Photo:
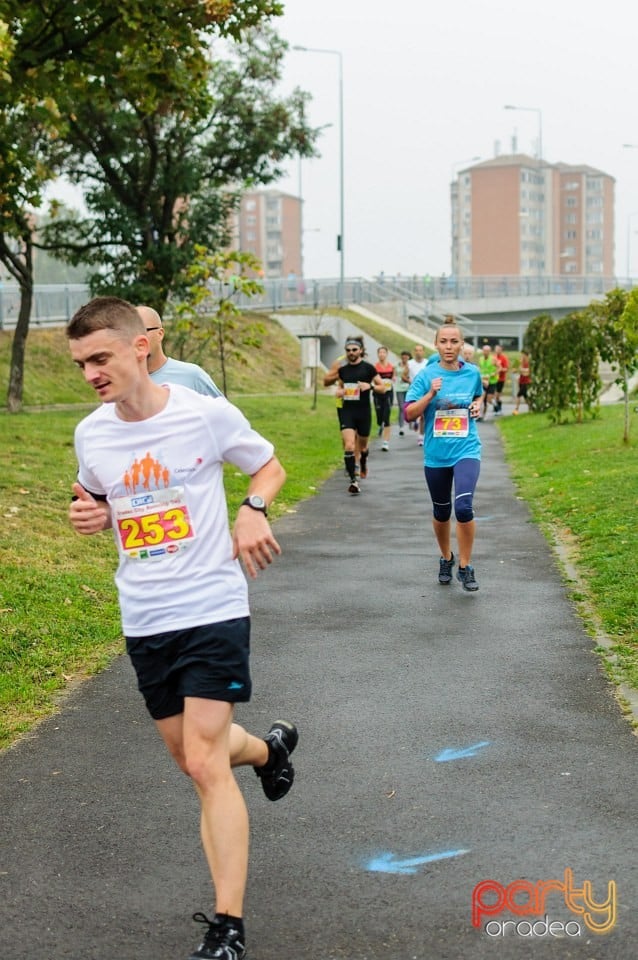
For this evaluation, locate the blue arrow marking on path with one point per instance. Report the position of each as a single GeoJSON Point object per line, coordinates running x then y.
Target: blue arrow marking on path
{"type": "Point", "coordinates": [449, 754]}
{"type": "Point", "coordinates": [386, 862]}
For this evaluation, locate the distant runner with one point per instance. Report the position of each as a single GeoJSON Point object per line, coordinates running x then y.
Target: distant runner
{"type": "Point", "coordinates": [357, 378]}
{"type": "Point", "coordinates": [449, 394]}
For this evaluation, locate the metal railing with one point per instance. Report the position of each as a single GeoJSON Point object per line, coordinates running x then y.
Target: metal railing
{"type": "Point", "coordinates": [423, 291]}
{"type": "Point", "coordinates": [55, 304]}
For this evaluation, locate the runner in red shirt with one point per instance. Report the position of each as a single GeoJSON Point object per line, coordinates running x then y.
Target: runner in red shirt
{"type": "Point", "coordinates": [524, 380]}
{"type": "Point", "coordinates": [503, 364]}
{"type": "Point", "coordinates": [383, 401]}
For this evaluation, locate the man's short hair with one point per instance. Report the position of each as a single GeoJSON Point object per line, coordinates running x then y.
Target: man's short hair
{"type": "Point", "coordinates": [105, 313]}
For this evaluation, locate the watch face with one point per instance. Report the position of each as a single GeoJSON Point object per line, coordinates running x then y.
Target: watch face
{"type": "Point", "coordinates": [257, 502]}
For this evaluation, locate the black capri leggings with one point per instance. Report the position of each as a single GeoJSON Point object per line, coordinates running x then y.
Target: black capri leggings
{"type": "Point", "coordinates": [464, 475]}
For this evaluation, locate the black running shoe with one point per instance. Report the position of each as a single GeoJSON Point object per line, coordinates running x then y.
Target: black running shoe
{"type": "Point", "coordinates": [278, 774]}
{"type": "Point", "coordinates": [467, 578]}
{"type": "Point", "coordinates": [222, 940]}
{"type": "Point", "coordinates": [354, 488]}
{"type": "Point", "coordinates": [445, 569]}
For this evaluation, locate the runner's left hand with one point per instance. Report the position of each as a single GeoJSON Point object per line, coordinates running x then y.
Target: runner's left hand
{"type": "Point", "coordinates": [253, 541]}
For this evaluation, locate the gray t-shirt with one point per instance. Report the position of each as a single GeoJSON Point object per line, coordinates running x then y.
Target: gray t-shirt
{"type": "Point", "coordinates": [189, 375]}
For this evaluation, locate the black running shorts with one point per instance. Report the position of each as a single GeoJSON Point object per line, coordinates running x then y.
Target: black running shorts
{"type": "Point", "coordinates": [355, 416]}
{"type": "Point", "coordinates": [210, 661]}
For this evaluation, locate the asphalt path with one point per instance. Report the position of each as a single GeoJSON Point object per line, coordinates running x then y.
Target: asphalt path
{"type": "Point", "coordinates": [446, 739]}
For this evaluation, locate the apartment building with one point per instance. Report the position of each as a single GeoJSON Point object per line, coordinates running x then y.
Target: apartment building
{"type": "Point", "coordinates": [268, 224]}
{"type": "Point", "coordinates": [517, 215]}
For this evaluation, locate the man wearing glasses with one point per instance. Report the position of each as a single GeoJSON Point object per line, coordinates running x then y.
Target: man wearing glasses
{"type": "Point", "coordinates": [165, 369]}
{"type": "Point", "coordinates": [355, 379]}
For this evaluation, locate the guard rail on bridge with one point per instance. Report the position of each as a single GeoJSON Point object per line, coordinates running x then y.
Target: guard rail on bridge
{"type": "Point", "coordinates": [55, 304]}
{"type": "Point", "coordinates": [422, 291]}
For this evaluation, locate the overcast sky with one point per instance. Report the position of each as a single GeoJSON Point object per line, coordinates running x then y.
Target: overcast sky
{"type": "Point", "coordinates": [424, 89]}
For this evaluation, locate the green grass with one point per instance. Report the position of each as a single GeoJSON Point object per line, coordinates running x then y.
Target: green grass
{"type": "Point", "coordinates": [581, 482]}
{"type": "Point", "coordinates": [58, 612]}
{"type": "Point", "coordinates": [49, 377]}
{"type": "Point", "coordinates": [59, 619]}
{"type": "Point", "coordinates": [306, 441]}
{"type": "Point", "coordinates": [272, 365]}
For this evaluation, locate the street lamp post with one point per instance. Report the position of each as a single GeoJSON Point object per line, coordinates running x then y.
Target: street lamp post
{"type": "Point", "coordinates": [341, 237]}
{"type": "Point", "coordinates": [302, 230]}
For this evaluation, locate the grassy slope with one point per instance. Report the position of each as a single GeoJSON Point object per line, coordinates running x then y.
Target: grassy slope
{"type": "Point", "coordinates": [50, 378]}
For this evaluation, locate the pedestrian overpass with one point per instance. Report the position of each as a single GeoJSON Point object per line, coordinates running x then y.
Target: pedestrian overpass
{"type": "Point", "coordinates": [488, 308]}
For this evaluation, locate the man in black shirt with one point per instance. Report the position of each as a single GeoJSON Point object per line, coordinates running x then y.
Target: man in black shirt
{"type": "Point", "coordinates": [356, 379]}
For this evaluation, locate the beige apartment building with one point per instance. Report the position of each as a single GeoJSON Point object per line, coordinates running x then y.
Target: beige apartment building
{"type": "Point", "coordinates": [520, 216]}
{"type": "Point", "coordinates": [268, 224]}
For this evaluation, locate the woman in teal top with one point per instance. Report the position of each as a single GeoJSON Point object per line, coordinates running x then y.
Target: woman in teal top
{"type": "Point", "coordinates": [448, 393]}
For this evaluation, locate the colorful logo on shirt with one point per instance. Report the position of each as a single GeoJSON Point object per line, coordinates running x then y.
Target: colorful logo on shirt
{"type": "Point", "coordinates": [149, 473]}
{"type": "Point", "coordinates": [146, 473]}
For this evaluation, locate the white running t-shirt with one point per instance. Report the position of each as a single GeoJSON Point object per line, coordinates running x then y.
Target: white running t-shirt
{"type": "Point", "coordinates": [415, 367]}
{"type": "Point", "coordinates": [163, 479]}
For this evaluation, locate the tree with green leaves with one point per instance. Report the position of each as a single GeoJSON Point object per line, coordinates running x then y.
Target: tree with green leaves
{"type": "Point", "coordinates": [565, 361]}
{"type": "Point", "coordinates": [52, 39]}
{"type": "Point", "coordinates": [36, 42]}
{"type": "Point", "coordinates": [211, 284]}
{"type": "Point", "coordinates": [162, 172]}
{"type": "Point", "coordinates": [616, 323]}
{"type": "Point", "coordinates": [572, 364]}
{"type": "Point", "coordinates": [537, 341]}
{"type": "Point", "coordinates": [26, 165]}
{"type": "Point", "coordinates": [50, 54]}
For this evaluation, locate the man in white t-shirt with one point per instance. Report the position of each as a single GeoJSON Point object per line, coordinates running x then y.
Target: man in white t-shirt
{"type": "Point", "coordinates": [415, 364]}
{"type": "Point", "coordinates": [165, 369]}
{"type": "Point", "coordinates": [151, 462]}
